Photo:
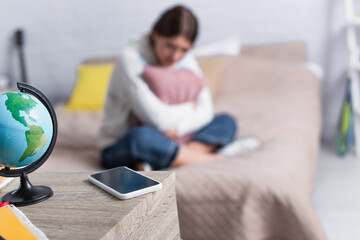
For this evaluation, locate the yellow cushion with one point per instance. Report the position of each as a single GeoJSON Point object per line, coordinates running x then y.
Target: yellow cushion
{"type": "Point", "coordinates": [91, 87]}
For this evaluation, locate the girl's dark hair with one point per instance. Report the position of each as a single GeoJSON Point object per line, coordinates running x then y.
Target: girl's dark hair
{"type": "Point", "coordinates": [177, 21]}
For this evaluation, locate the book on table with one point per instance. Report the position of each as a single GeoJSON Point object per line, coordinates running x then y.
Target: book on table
{"type": "Point", "coordinates": [15, 225]}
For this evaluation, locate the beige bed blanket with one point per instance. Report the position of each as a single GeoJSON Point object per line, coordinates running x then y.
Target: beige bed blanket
{"type": "Point", "coordinates": [257, 196]}
{"type": "Point", "coordinates": [265, 194]}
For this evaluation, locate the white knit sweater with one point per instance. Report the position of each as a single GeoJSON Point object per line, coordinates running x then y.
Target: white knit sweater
{"type": "Point", "coordinates": [129, 96]}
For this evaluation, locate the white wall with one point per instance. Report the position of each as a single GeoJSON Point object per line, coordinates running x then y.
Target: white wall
{"type": "Point", "coordinates": [60, 34]}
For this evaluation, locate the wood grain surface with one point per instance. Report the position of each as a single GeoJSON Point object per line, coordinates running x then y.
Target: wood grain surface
{"type": "Point", "coordinates": [80, 210]}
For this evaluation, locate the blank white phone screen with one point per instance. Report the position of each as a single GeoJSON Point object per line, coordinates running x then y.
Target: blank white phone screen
{"type": "Point", "coordinates": [124, 180]}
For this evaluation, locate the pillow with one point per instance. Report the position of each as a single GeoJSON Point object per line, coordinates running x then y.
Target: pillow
{"type": "Point", "coordinates": [91, 87]}
{"type": "Point", "coordinates": [173, 86]}
{"type": "Point", "coordinates": [213, 68]}
{"type": "Point", "coordinates": [226, 47]}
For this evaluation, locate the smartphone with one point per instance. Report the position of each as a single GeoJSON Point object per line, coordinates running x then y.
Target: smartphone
{"type": "Point", "coordinates": [124, 183]}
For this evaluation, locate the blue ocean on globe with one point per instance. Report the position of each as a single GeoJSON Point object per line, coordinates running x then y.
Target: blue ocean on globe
{"type": "Point", "coordinates": [26, 129]}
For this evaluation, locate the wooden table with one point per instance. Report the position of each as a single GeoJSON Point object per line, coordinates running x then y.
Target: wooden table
{"type": "Point", "coordinates": [80, 210]}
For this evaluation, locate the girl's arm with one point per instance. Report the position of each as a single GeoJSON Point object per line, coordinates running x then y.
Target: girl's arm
{"type": "Point", "coordinates": [204, 111]}
{"type": "Point", "coordinates": [133, 91]}
{"type": "Point", "coordinates": [203, 114]}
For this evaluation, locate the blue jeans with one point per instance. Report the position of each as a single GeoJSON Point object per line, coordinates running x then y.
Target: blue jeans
{"type": "Point", "coordinates": [145, 144]}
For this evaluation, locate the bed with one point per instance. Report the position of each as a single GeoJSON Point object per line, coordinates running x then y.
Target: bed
{"type": "Point", "coordinates": [259, 195]}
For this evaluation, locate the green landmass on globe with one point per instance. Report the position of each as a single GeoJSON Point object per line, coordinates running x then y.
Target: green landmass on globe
{"type": "Point", "coordinates": [35, 136]}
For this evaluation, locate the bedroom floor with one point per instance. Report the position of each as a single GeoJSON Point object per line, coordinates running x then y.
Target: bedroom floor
{"type": "Point", "coordinates": [336, 196]}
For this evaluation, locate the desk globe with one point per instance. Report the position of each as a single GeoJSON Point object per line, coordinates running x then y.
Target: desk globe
{"type": "Point", "coordinates": [28, 131]}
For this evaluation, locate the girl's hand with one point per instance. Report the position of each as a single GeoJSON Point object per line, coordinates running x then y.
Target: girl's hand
{"type": "Point", "coordinates": [193, 102]}
{"type": "Point", "coordinates": [170, 134]}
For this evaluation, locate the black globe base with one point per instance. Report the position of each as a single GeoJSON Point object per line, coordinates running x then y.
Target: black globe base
{"type": "Point", "coordinates": [27, 194]}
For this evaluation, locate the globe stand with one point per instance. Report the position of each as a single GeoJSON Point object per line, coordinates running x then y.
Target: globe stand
{"type": "Point", "coordinates": [27, 194]}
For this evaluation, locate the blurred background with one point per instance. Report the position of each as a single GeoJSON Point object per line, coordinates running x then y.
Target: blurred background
{"type": "Point", "coordinates": [61, 34]}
